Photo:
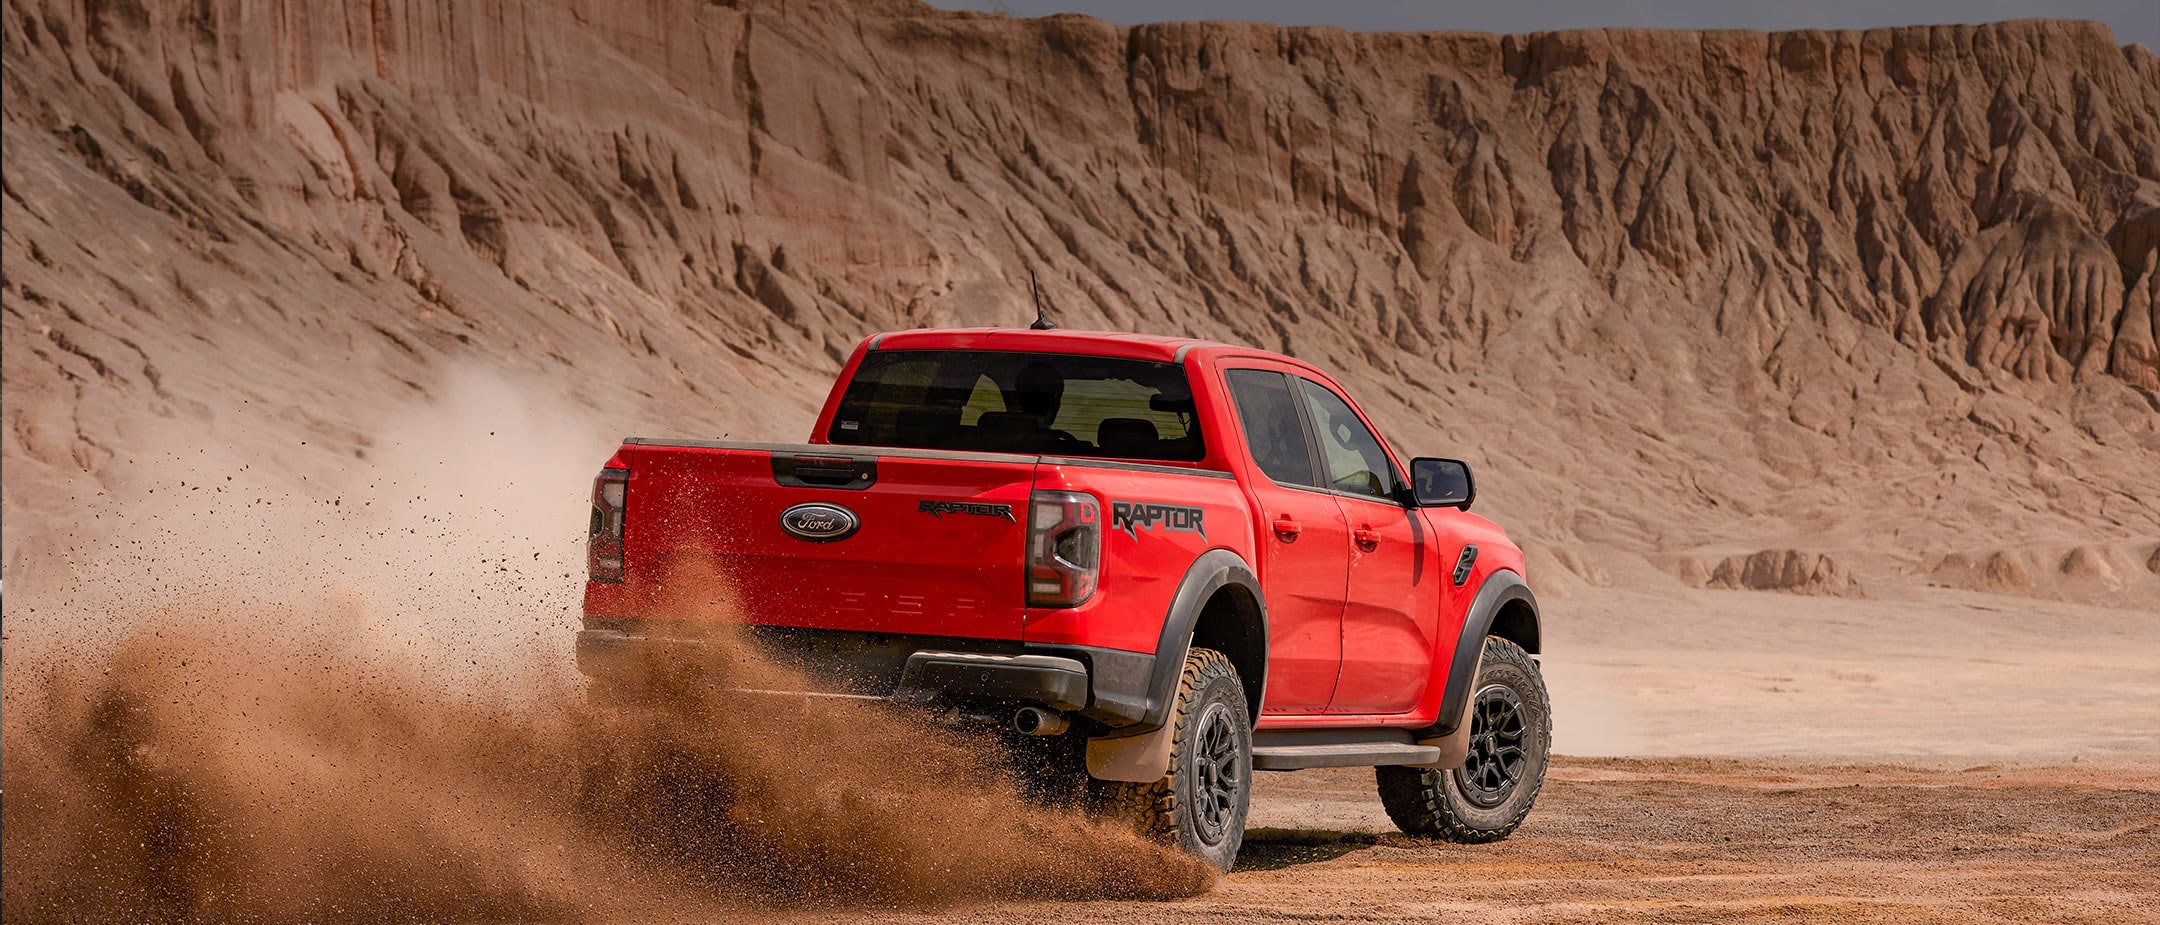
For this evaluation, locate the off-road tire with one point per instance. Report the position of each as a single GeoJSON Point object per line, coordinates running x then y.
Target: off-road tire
{"type": "Point", "coordinates": [1463, 804]}
{"type": "Point", "coordinates": [1209, 718]}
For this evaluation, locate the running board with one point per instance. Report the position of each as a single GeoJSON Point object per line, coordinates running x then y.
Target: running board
{"type": "Point", "coordinates": [1292, 749]}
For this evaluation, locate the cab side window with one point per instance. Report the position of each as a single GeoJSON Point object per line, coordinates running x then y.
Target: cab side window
{"type": "Point", "coordinates": [1273, 430]}
{"type": "Point", "coordinates": [1353, 456]}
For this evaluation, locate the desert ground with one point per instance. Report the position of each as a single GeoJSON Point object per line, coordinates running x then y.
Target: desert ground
{"type": "Point", "coordinates": [1953, 758]}
{"type": "Point", "coordinates": [1693, 840]}
{"type": "Point", "coordinates": [1815, 372]}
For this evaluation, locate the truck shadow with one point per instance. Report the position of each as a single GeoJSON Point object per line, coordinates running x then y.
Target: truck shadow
{"type": "Point", "coordinates": [1275, 849]}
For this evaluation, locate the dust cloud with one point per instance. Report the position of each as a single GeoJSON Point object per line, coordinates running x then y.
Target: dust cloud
{"type": "Point", "coordinates": [349, 698]}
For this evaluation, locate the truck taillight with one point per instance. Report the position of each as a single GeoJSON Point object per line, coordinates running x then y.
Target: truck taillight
{"type": "Point", "coordinates": [604, 540]}
{"type": "Point", "coordinates": [1064, 551]}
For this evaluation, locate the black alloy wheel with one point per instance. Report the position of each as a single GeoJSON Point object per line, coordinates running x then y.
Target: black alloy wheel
{"type": "Point", "coordinates": [1497, 757]}
{"type": "Point", "coordinates": [1218, 775]}
{"type": "Point", "coordinates": [1510, 720]}
{"type": "Point", "coordinates": [1199, 803]}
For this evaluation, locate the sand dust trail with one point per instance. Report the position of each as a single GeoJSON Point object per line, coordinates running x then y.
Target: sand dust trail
{"type": "Point", "coordinates": [351, 700]}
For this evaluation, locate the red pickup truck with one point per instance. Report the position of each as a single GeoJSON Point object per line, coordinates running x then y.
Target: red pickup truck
{"type": "Point", "coordinates": [1183, 561]}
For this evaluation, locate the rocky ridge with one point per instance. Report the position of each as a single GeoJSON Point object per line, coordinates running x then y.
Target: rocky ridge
{"type": "Point", "coordinates": [1889, 292]}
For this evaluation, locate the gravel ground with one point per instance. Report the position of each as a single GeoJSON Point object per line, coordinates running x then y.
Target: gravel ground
{"type": "Point", "coordinates": [1695, 840]}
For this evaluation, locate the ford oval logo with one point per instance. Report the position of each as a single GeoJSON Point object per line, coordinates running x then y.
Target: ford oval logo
{"type": "Point", "coordinates": [819, 522]}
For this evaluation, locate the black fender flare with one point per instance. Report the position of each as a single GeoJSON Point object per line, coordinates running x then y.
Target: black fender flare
{"type": "Point", "coordinates": [1214, 570]}
{"type": "Point", "coordinates": [1500, 589]}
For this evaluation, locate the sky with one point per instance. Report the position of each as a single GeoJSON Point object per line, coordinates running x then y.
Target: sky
{"type": "Point", "coordinates": [2132, 20]}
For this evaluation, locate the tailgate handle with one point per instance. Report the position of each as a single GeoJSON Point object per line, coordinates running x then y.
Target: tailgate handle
{"type": "Point", "coordinates": [853, 473]}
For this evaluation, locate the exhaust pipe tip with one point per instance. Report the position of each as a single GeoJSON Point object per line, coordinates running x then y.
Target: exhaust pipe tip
{"type": "Point", "coordinates": [1036, 721]}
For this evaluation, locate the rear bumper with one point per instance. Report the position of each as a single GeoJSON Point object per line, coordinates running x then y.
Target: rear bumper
{"type": "Point", "coordinates": [916, 670]}
{"type": "Point", "coordinates": [1057, 683]}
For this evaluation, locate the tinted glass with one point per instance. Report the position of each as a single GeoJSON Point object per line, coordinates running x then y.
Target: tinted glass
{"type": "Point", "coordinates": [1355, 462]}
{"type": "Point", "coordinates": [1011, 402]}
{"type": "Point", "coordinates": [1270, 418]}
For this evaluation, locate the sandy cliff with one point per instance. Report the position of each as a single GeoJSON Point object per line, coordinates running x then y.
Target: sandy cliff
{"type": "Point", "coordinates": [1829, 312]}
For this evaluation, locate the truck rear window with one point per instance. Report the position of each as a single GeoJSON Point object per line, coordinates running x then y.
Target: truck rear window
{"type": "Point", "coordinates": [1010, 402]}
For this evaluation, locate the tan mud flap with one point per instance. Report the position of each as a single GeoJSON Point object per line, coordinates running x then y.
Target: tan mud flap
{"type": "Point", "coordinates": [1144, 757]}
{"type": "Point", "coordinates": [1455, 747]}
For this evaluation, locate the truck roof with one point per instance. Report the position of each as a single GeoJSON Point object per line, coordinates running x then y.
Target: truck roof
{"type": "Point", "coordinates": [1094, 343]}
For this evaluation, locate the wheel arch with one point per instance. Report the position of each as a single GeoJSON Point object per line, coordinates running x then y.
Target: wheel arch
{"type": "Point", "coordinates": [1234, 622]}
{"type": "Point", "coordinates": [1218, 606]}
{"type": "Point", "coordinates": [1503, 607]}
{"type": "Point", "coordinates": [1517, 622]}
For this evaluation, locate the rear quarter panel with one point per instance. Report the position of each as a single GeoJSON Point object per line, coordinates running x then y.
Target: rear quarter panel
{"type": "Point", "coordinates": [1146, 551]}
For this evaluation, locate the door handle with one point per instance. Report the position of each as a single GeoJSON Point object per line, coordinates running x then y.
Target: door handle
{"type": "Point", "coordinates": [1287, 529]}
{"type": "Point", "coordinates": [1367, 538]}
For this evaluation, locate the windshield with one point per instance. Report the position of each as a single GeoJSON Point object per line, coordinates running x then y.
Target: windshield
{"type": "Point", "coordinates": [1011, 402]}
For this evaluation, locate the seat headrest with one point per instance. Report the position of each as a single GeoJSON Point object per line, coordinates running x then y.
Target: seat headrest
{"type": "Point", "coordinates": [1010, 432]}
{"type": "Point", "coordinates": [926, 426]}
{"type": "Point", "coordinates": [1172, 403]}
{"type": "Point", "coordinates": [1134, 437]}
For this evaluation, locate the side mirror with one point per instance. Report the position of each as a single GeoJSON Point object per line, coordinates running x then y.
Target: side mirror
{"type": "Point", "coordinates": [1442, 482]}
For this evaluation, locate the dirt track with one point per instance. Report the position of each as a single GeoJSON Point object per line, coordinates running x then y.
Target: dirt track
{"type": "Point", "coordinates": [1691, 840]}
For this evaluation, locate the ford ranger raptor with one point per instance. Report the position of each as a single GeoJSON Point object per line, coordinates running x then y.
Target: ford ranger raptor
{"type": "Point", "coordinates": [1184, 561]}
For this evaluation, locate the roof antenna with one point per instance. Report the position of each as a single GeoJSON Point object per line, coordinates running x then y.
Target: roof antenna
{"type": "Point", "coordinates": [1042, 318]}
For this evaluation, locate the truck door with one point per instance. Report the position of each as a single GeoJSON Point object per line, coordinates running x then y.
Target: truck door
{"type": "Point", "coordinates": [1304, 554]}
{"type": "Point", "coordinates": [1391, 609]}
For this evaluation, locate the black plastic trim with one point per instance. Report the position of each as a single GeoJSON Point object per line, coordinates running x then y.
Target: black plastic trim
{"type": "Point", "coordinates": [843, 471]}
{"type": "Point", "coordinates": [1354, 496]}
{"type": "Point", "coordinates": [1213, 571]}
{"type": "Point", "coordinates": [906, 668]}
{"type": "Point", "coordinates": [834, 449]}
{"type": "Point", "coordinates": [1295, 749]}
{"type": "Point", "coordinates": [837, 450]}
{"type": "Point", "coordinates": [1499, 589]}
{"type": "Point", "coordinates": [1117, 681]}
{"type": "Point", "coordinates": [1057, 683]}
{"type": "Point", "coordinates": [1087, 462]}
{"type": "Point", "coordinates": [1321, 482]}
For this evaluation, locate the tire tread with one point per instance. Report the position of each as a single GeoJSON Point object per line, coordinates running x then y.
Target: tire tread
{"type": "Point", "coordinates": [1152, 807]}
{"type": "Point", "coordinates": [1416, 799]}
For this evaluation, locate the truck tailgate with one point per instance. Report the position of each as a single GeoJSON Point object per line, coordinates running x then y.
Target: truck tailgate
{"type": "Point", "coordinates": [936, 546]}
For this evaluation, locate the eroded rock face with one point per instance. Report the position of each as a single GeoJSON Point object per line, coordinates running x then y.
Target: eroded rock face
{"type": "Point", "coordinates": [2099, 573]}
{"type": "Point", "coordinates": [1787, 570]}
{"type": "Point", "coordinates": [2004, 572]}
{"type": "Point", "coordinates": [1665, 288]}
